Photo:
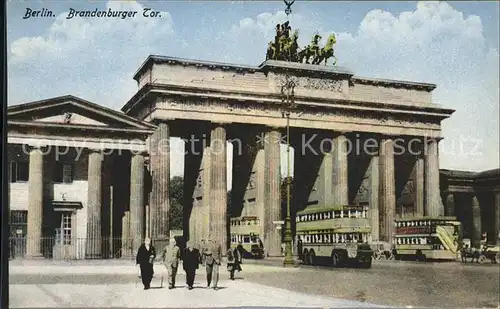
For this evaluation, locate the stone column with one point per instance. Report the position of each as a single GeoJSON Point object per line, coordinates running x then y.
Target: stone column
{"type": "Point", "coordinates": [418, 180]}
{"type": "Point", "coordinates": [374, 192]}
{"type": "Point", "coordinates": [160, 170]}
{"type": "Point", "coordinates": [218, 188]}
{"type": "Point", "coordinates": [194, 222]}
{"type": "Point", "coordinates": [136, 200]}
{"type": "Point", "coordinates": [433, 205]}
{"type": "Point", "coordinates": [94, 196]}
{"type": "Point", "coordinates": [387, 190]}
{"type": "Point", "coordinates": [192, 184]}
{"type": "Point", "coordinates": [260, 185]}
{"type": "Point", "coordinates": [35, 204]}
{"type": "Point", "coordinates": [450, 205]}
{"type": "Point", "coordinates": [147, 220]}
{"type": "Point", "coordinates": [496, 218]}
{"type": "Point", "coordinates": [206, 178]}
{"type": "Point", "coordinates": [476, 223]}
{"type": "Point", "coordinates": [272, 191]}
{"type": "Point", "coordinates": [326, 177]}
{"type": "Point", "coordinates": [340, 189]}
{"type": "Point", "coordinates": [126, 235]}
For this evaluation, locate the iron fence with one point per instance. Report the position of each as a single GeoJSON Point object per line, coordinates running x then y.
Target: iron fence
{"type": "Point", "coordinates": [72, 248]}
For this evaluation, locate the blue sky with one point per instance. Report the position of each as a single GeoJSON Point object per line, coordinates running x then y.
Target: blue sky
{"type": "Point", "coordinates": [452, 44]}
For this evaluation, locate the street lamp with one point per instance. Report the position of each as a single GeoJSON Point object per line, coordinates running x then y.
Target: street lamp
{"type": "Point", "coordinates": [287, 99]}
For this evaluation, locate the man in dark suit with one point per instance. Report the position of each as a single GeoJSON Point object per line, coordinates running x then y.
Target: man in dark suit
{"type": "Point", "coordinates": [213, 259]}
{"type": "Point", "coordinates": [191, 260]}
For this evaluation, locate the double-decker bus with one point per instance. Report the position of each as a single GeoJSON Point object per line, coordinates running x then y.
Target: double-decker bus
{"type": "Point", "coordinates": [339, 233]}
{"type": "Point", "coordinates": [434, 238]}
{"type": "Point", "coordinates": [245, 232]}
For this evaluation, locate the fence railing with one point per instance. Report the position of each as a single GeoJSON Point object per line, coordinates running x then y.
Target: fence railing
{"type": "Point", "coordinates": [72, 248]}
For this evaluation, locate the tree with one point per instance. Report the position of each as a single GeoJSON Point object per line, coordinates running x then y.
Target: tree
{"type": "Point", "coordinates": [176, 213]}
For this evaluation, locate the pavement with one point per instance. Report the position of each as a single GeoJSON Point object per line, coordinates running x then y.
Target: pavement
{"type": "Point", "coordinates": [115, 283]}
{"type": "Point", "coordinates": [129, 293]}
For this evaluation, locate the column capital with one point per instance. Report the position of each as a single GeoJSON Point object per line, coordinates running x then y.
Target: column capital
{"type": "Point", "coordinates": [95, 150]}
{"type": "Point", "coordinates": [430, 140]}
{"type": "Point", "coordinates": [388, 137]}
{"type": "Point", "coordinates": [220, 123]}
{"type": "Point", "coordinates": [31, 147]}
{"type": "Point", "coordinates": [143, 153]}
{"type": "Point", "coordinates": [273, 128]}
{"type": "Point", "coordinates": [161, 121]}
{"type": "Point", "coordinates": [343, 133]}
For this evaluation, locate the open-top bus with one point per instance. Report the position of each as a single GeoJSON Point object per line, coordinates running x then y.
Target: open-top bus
{"type": "Point", "coordinates": [339, 233]}
{"type": "Point", "coordinates": [245, 231]}
{"type": "Point", "coordinates": [434, 238]}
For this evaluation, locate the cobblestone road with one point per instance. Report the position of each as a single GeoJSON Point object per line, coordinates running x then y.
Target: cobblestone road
{"type": "Point", "coordinates": [451, 285]}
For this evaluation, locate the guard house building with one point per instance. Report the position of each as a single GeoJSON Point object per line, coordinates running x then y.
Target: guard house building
{"type": "Point", "coordinates": [474, 198]}
{"type": "Point", "coordinates": [75, 168]}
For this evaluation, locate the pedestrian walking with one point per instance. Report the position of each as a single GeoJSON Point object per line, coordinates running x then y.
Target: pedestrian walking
{"type": "Point", "coordinates": [241, 251]}
{"type": "Point", "coordinates": [145, 259]}
{"type": "Point", "coordinates": [231, 261]}
{"type": "Point", "coordinates": [190, 262]}
{"type": "Point", "coordinates": [299, 248]}
{"type": "Point", "coordinates": [213, 257]}
{"type": "Point", "coordinates": [203, 248]}
{"type": "Point", "coordinates": [238, 259]}
{"type": "Point", "coordinates": [171, 257]}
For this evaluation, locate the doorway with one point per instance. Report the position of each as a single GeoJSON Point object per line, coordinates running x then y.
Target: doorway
{"type": "Point", "coordinates": [64, 247]}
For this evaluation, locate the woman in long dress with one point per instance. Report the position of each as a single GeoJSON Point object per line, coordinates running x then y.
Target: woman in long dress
{"type": "Point", "coordinates": [145, 258]}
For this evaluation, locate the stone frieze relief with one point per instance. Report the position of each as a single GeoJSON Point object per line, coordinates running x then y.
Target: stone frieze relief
{"type": "Point", "coordinates": [363, 190]}
{"type": "Point", "coordinates": [251, 182]}
{"type": "Point", "coordinates": [199, 179]}
{"type": "Point", "coordinates": [312, 83]}
{"type": "Point", "coordinates": [408, 188]}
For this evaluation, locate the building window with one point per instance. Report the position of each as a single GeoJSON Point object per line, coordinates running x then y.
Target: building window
{"type": "Point", "coordinates": [19, 171]}
{"type": "Point", "coordinates": [63, 173]}
{"type": "Point", "coordinates": [63, 232]}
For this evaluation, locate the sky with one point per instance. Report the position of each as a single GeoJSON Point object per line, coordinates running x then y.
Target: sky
{"type": "Point", "coordinates": [452, 44]}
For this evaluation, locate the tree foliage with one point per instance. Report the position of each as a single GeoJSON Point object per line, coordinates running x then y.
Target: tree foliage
{"type": "Point", "coordinates": [176, 213]}
{"type": "Point", "coordinates": [176, 202]}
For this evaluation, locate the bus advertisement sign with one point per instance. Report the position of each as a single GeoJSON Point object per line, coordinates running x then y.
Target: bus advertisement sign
{"type": "Point", "coordinates": [413, 230]}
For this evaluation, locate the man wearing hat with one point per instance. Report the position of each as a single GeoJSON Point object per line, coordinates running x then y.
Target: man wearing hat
{"type": "Point", "coordinates": [171, 257]}
{"type": "Point", "coordinates": [213, 259]}
{"type": "Point", "coordinates": [191, 260]}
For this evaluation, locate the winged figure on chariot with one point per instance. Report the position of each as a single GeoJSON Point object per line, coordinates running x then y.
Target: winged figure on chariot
{"type": "Point", "coordinates": [285, 47]}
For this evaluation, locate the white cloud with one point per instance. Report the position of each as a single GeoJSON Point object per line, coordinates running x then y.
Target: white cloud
{"type": "Point", "coordinates": [89, 57]}
{"type": "Point", "coordinates": [434, 43]}
{"type": "Point", "coordinates": [69, 35]}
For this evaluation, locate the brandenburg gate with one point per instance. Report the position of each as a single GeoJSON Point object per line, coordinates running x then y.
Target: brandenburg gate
{"type": "Point", "coordinates": [337, 116]}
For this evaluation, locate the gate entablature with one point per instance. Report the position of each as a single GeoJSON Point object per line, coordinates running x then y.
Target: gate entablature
{"type": "Point", "coordinates": [327, 97]}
